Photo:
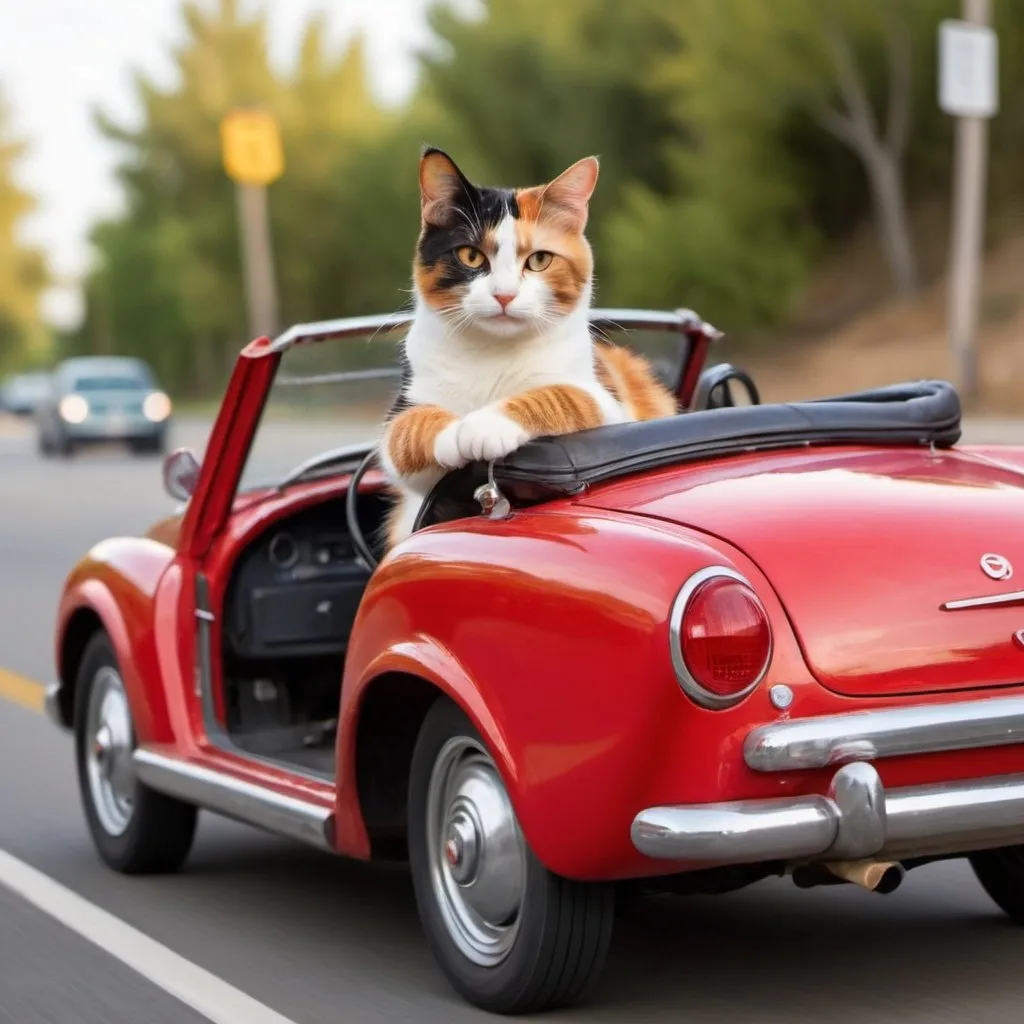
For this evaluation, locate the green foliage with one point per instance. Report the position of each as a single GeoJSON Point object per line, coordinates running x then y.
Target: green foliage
{"type": "Point", "coordinates": [720, 186]}
{"type": "Point", "coordinates": [23, 272]}
{"type": "Point", "coordinates": [168, 284]}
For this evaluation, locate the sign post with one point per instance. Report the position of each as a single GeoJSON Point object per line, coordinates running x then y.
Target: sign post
{"type": "Point", "coordinates": [968, 90]}
{"type": "Point", "coordinates": [253, 158]}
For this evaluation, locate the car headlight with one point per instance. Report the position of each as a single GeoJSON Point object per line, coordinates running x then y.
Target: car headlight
{"type": "Point", "coordinates": [157, 407]}
{"type": "Point", "coordinates": [73, 409]}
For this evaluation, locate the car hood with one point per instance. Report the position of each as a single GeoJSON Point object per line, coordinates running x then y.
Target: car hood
{"type": "Point", "coordinates": [863, 547]}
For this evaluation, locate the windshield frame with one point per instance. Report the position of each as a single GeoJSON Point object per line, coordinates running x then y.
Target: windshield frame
{"type": "Point", "coordinates": [695, 334]}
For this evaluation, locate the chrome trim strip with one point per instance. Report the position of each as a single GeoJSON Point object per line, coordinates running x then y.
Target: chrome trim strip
{"type": "Point", "coordinates": [619, 319]}
{"type": "Point", "coordinates": [51, 705]}
{"type": "Point", "coordinates": [988, 601]}
{"type": "Point", "coordinates": [243, 801]}
{"type": "Point", "coordinates": [684, 677]}
{"type": "Point", "coordinates": [919, 821]}
{"type": "Point", "coordinates": [888, 732]}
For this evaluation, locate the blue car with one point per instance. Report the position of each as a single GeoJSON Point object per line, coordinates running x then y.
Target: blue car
{"type": "Point", "coordinates": [94, 399]}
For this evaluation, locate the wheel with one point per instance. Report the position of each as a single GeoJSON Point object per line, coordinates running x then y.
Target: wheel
{"type": "Point", "coordinates": [43, 445]}
{"type": "Point", "coordinates": [1001, 874]}
{"type": "Point", "coordinates": [510, 936]}
{"type": "Point", "coordinates": [135, 829]}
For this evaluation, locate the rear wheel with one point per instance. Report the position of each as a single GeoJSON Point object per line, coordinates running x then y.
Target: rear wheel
{"type": "Point", "coordinates": [135, 829]}
{"type": "Point", "coordinates": [1001, 874]}
{"type": "Point", "coordinates": [510, 936]}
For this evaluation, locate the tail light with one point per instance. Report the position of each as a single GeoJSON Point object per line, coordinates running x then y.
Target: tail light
{"type": "Point", "coordinates": [720, 636]}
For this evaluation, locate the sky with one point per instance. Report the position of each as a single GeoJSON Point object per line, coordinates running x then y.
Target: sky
{"type": "Point", "coordinates": [59, 59]}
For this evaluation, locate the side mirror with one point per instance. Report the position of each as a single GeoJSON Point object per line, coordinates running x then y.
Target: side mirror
{"type": "Point", "coordinates": [181, 473]}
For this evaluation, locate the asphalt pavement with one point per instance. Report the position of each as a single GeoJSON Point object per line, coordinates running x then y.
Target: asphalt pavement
{"type": "Point", "coordinates": [319, 940]}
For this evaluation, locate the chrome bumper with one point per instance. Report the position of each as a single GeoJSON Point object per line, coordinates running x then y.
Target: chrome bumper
{"type": "Point", "coordinates": [857, 818]}
{"type": "Point", "coordinates": [51, 705]}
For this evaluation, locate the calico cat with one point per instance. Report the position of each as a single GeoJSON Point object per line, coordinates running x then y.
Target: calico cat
{"type": "Point", "coordinates": [500, 349]}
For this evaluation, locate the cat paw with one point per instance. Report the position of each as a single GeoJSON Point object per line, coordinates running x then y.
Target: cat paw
{"type": "Point", "coordinates": [446, 447]}
{"type": "Point", "coordinates": [488, 434]}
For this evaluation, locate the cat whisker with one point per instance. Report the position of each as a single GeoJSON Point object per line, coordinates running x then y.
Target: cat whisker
{"type": "Point", "coordinates": [406, 306]}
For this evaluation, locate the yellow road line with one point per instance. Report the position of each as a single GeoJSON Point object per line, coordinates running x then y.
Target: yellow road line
{"type": "Point", "coordinates": [21, 690]}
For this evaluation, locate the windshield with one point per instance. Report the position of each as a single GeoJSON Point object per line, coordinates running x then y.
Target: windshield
{"type": "Point", "coordinates": [109, 383]}
{"type": "Point", "coordinates": [330, 394]}
{"type": "Point", "coordinates": [325, 395]}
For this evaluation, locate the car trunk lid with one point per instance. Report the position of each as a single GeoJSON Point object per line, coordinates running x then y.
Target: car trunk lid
{"type": "Point", "coordinates": [863, 548]}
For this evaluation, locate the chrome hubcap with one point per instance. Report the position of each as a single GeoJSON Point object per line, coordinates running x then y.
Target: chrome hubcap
{"type": "Point", "coordinates": [477, 854]}
{"type": "Point", "coordinates": [108, 758]}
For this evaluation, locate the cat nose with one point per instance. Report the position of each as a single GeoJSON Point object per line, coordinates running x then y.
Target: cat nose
{"type": "Point", "coordinates": [504, 300]}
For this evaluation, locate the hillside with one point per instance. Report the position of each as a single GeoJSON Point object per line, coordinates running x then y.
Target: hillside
{"type": "Point", "coordinates": [897, 341]}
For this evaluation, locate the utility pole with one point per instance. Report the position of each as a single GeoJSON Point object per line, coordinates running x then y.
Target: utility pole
{"type": "Point", "coordinates": [968, 89]}
{"type": "Point", "coordinates": [251, 145]}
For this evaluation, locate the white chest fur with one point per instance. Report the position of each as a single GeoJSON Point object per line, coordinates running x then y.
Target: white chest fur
{"type": "Point", "coordinates": [462, 373]}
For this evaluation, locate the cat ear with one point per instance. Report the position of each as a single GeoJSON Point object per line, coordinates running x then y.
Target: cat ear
{"type": "Point", "coordinates": [441, 184]}
{"type": "Point", "coordinates": [572, 189]}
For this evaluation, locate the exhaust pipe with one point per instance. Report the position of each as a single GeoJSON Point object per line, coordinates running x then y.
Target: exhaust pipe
{"type": "Point", "coordinates": [882, 876]}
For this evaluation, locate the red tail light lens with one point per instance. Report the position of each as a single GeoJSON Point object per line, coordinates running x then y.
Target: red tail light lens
{"type": "Point", "coordinates": [722, 639]}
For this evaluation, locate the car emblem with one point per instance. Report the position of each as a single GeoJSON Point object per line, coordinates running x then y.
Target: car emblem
{"type": "Point", "coordinates": [996, 567]}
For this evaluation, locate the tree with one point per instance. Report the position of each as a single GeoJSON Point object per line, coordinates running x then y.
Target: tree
{"type": "Point", "coordinates": [168, 282]}
{"type": "Point", "coordinates": [880, 145]}
{"type": "Point", "coordinates": [536, 85]}
{"type": "Point", "coordinates": [23, 272]}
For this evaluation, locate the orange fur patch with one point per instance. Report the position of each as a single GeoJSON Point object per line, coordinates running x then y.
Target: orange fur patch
{"type": "Point", "coordinates": [530, 202]}
{"type": "Point", "coordinates": [411, 435]}
{"type": "Point", "coordinates": [569, 271]}
{"type": "Point", "coordinates": [631, 380]}
{"type": "Point", "coordinates": [428, 281]}
{"type": "Point", "coordinates": [560, 409]}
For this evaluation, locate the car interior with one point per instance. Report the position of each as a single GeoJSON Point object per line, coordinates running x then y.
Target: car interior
{"type": "Point", "coordinates": [295, 589]}
{"type": "Point", "coordinates": [289, 607]}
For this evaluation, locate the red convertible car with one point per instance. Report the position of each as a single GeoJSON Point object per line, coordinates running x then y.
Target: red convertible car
{"type": "Point", "coordinates": [682, 655]}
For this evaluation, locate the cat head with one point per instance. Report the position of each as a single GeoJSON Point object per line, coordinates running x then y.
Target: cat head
{"type": "Point", "coordinates": [507, 263]}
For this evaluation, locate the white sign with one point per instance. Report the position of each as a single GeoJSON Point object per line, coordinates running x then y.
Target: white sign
{"type": "Point", "coordinates": [968, 69]}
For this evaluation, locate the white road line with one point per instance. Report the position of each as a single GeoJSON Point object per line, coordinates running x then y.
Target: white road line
{"type": "Point", "coordinates": [199, 989]}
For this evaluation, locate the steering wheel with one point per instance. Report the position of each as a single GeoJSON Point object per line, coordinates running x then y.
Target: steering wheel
{"type": "Point", "coordinates": [359, 542]}
{"type": "Point", "coordinates": [450, 497]}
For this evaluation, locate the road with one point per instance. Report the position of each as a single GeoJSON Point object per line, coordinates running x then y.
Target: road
{"type": "Point", "coordinates": [325, 941]}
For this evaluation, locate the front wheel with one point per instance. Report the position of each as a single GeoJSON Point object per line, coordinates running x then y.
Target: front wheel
{"type": "Point", "coordinates": [510, 936]}
{"type": "Point", "coordinates": [135, 829]}
{"type": "Point", "coordinates": [1001, 874]}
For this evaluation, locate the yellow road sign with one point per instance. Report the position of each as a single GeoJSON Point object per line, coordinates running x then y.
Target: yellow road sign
{"type": "Point", "coordinates": [251, 147]}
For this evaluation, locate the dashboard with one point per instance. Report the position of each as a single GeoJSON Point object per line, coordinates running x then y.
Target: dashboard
{"type": "Point", "coordinates": [296, 589]}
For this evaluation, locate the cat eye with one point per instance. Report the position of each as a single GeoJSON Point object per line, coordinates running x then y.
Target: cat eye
{"type": "Point", "coordinates": [470, 257]}
{"type": "Point", "coordinates": [539, 260]}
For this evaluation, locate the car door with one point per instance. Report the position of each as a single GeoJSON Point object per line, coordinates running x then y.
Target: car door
{"type": "Point", "coordinates": [208, 512]}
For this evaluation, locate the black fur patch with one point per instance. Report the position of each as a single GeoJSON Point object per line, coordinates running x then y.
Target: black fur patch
{"type": "Point", "coordinates": [400, 402]}
{"type": "Point", "coordinates": [475, 211]}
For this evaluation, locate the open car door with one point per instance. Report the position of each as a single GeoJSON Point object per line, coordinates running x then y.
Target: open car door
{"type": "Point", "coordinates": [228, 447]}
